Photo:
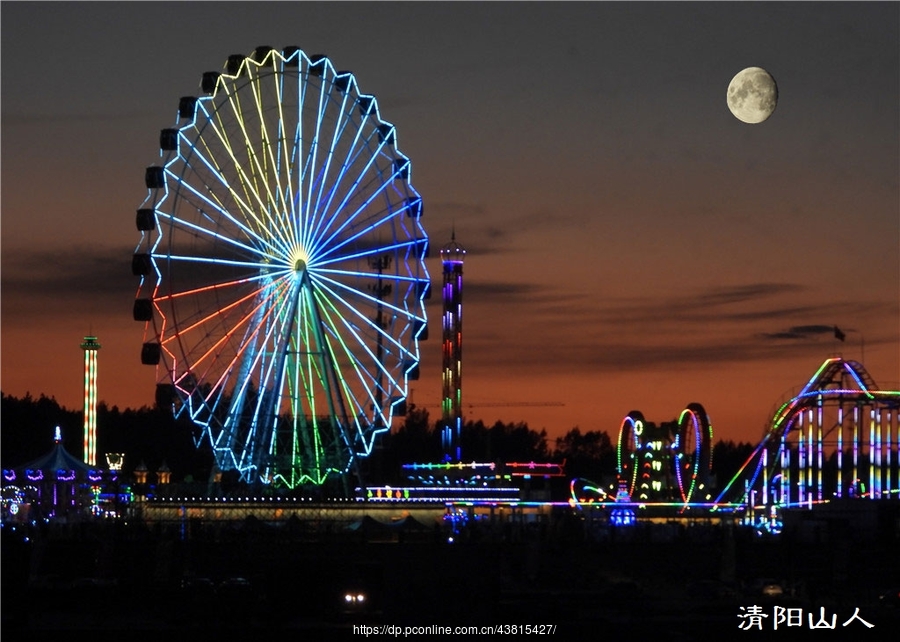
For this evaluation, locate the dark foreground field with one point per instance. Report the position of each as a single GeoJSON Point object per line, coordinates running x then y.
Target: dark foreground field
{"type": "Point", "coordinates": [118, 578]}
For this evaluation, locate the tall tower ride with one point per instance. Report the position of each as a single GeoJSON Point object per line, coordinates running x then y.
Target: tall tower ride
{"type": "Point", "coordinates": [452, 256]}
{"type": "Point", "coordinates": [90, 345]}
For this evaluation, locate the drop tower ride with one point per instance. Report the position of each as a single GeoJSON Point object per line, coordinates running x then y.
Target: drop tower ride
{"type": "Point", "coordinates": [452, 256]}
{"type": "Point", "coordinates": [90, 345]}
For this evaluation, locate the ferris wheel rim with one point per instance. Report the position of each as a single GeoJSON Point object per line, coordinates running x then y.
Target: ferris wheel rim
{"type": "Point", "coordinates": [331, 294]}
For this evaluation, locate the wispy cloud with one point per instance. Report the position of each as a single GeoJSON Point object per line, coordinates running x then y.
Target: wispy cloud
{"type": "Point", "coordinates": [801, 332]}
{"type": "Point", "coordinates": [67, 273]}
{"type": "Point", "coordinates": [713, 326]}
{"type": "Point", "coordinates": [744, 293]}
{"type": "Point", "coordinates": [42, 286]}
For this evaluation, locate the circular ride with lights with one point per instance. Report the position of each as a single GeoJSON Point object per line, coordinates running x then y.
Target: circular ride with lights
{"type": "Point", "coordinates": [692, 450]}
{"type": "Point", "coordinates": [627, 450]}
{"type": "Point", "coordinates": [281, 266]}
{"type": "Point", "coordinates": [670, 462]}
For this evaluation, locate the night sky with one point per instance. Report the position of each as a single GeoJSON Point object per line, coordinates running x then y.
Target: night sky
{"type": "Point", "coordinates": [631, 245]}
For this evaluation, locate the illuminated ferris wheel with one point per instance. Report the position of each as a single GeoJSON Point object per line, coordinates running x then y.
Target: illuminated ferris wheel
{"type": "Point", "coordinates": [281, 266]}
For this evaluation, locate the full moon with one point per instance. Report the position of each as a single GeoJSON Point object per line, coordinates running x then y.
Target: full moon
{"type": "Point", "coordinates": [752, 95]}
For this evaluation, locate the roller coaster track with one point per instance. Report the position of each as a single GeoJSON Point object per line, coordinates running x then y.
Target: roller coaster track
{"type": "Point", "coordinates": [797, 460]}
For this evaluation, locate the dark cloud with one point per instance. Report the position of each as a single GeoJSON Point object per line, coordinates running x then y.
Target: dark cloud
{"type": "Point", "coordinates": [719, 304]}
{"type": "Point", "coordinates": [576, 310]}
{"type": "Point", "coordinates": [774, 313]}
{"type": "Point", "coordinates": [743, 293]}
{"type": "Point", "coordinates": [480, 235]}
{"type": "Point", "coordinates": [812, 329]}
{"type": "Point", "coordinates": [541, 300]}
{"type": "Point", "coordinates": [631, 356]}
{"type": "Point", "coordinates": [472, 226]}
{"type": "Point", "coordinates": [651, 333]}
{"type": "Point", "coordinates": [44, 286]}
{"type": "Point", "coordinates": [67, 274]}
{"type": "Point", "coordinates": [800, 332]}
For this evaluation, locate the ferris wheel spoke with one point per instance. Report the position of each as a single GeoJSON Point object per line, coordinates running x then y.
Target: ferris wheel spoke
{"type": "Point", "coordinates": [253, 169]}
{"type": "Point", "coordinates": [216, 287]}
{"type": "Point", "coordinates": [371, 222]}
{"type": "Point", "coordinates": [378, 177]}
{"type": "Point", "coordinates": [321, 214]}
{"type": "Point", "coordinates": [310, 163]}
{"type": "Point", "coordinates": [248, 178]}
{"type": "Point", "coordinates": [353, 152]}
{"type": "Point", "coordinates": [344, 215]}
{"type": "Point", "coordinates": [217, 206]}
{"type": "Point", "coordinates": [346, 398]}
{"type": "Point", "coordinates": [214, 122]}
{"type": "Point", "coordinates": [220, 313]}
{"type": "Point", "coordinates": [370, 301]}
{"type": "Point", "coordinates": [213, 352]}
{"type": "Point", "coordinates": [344, 120]}
{"type": "Point", "coordinates": [374, 302]}
{"type": "Point", "coordinates": [284, 160]}
{"type": "Point", "coordinates": [307, 362]}
{"type": "Point", "coordinates": [269, 150]}
{"type": "Point", "coordinates": [324, 372]}
{"type": "Point", "coordinates": [370, 252]}
{"type": "Point", "coordinates": [214, 261]}
{"type": "Point", "coordinates": [323, 171]}
{"type": "Point", "coordinates": [342, 391]}
{"type": "Point", "coordinates": [334, 327]}
{"type": "Point", "coordinates": [256, 444]}
{"type": "Point", "coordinates": [253, 322]}
{"type": "Point", "coordinates": [254, 363]}
{"type": "Point", "coordinates": [352, 331]}
{"type": "Point", "coordinates": [372, 382]}
{"type": "Point", "coordinates": [373, 276]}
{"type": "Point", "coordinates": [353, 191]}
{"type": "Point", "coordinates": [298, 167]}
{"type": "Point", "coordinates": [208, 233]}
{"type": "Point", "coordinates": [354, 156]}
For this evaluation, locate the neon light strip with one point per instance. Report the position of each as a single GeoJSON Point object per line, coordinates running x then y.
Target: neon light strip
{"type": "Point", "coordinates": [323, 305]}
{"type": "Point", "coordinates": [217, 173]}
{"type": "Point", "coordinates": [355, 190]}
{"type": "Point", "coordinates": [356, 187]}
{"type": "Point", "coordinates": [286, 194]}
{"type": "Point", "coordinates": [90, 404]}
{"type": "Point", "coordinates": [223, 211]}
{"type": "Point", "coordinates": [342, 120]}
{"type": "Point", "coordinates": [311, 161]}
{"type": "Point", "coordinates": [187, 225]}
{"type": "Point", "coordinates": [323, 282]}
{"type": "Point", "coordinates": [251, 189]}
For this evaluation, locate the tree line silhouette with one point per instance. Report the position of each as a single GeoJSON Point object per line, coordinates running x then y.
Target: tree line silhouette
{"type": "Point", "coordinates": [151, 436]}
